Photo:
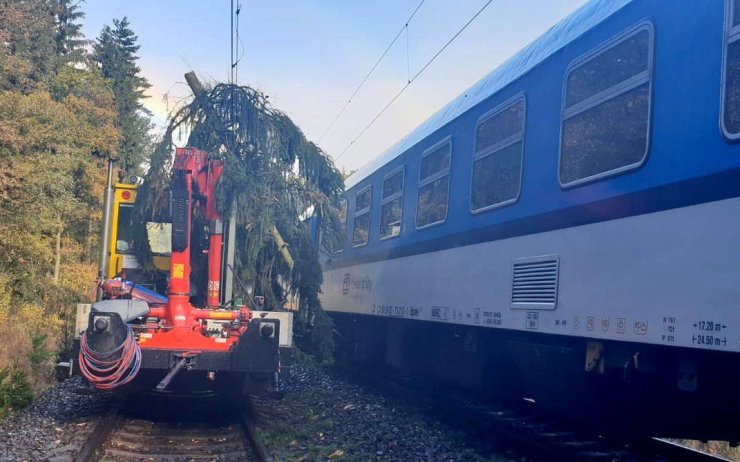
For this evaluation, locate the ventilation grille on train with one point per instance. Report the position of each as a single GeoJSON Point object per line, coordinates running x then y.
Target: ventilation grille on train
{"type": "Point", "coordinates": [535, 283]}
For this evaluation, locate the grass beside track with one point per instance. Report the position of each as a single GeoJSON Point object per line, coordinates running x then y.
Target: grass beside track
{"type": "Point", "coordinates": [325, 418]}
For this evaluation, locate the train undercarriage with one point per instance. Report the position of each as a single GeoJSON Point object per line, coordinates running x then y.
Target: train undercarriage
{"type": "Point", "coordinates": [619, 388]}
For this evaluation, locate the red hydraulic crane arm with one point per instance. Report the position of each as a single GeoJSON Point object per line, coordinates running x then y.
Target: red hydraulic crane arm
{"type": "Point", "coordinates": [194, 179]}
{"type": "Point", "coordinates": [176, 326]}
{"type": "Point", "coordinates": [215, 230]}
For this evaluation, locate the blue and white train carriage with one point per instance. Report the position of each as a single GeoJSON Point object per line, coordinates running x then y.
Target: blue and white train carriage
{"type": "Point", "coordinates": [568, 227]}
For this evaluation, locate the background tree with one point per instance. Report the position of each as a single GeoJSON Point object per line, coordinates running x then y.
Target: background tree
{"type": "Point", "coordinates": [116, 55]}
{"type": "Point", "coordinates": [58, 123]}
{"type": "Point", "coordinates": [69, 40]}
{"type": "Point", "coordinates": [27, 49]}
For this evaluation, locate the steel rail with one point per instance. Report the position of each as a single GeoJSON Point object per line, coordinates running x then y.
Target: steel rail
{"type": "Point", "coordinates": [116, 436]}
{"type": "Point", "coordinates": [100, 433]}
{"type": "Point", "coordinates": [258, 448]}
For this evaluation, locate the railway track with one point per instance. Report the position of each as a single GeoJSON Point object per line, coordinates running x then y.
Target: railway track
{"type": "Point", "coordinates": [518, 430]}
{"type": "Point", "coordinates": [124, 437]}
{"type": "Point", "coordinates": [540, 439]}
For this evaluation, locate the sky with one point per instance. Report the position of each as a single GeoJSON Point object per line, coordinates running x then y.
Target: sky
{"type": "Point", "coordinates": [309, 56]}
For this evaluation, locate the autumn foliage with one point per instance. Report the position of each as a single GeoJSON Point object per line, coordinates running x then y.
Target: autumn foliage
{"type": "Point", "coordinates": [59, 122]}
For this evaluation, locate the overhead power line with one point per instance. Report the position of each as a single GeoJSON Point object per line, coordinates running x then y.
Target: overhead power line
{"type": "Point", "coordinates": [411, 80]}
{"type": "Point", "coordinates": [375, 66]}
{"type": "Point", "coordinates": [237, 56]}
{"type": "Point", "coordinates": [235, 42]}
{"type": "Point", "coordinates": [231, 58]}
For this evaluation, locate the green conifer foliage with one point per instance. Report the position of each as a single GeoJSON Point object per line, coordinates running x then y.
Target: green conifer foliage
{"type": "Point", "coordinates": [115, 52]}
{"type": "Point", "coordinates": [69, 40]}
{"type": "Point", "coordinates": [28, 53]}
{"type": "Point", "coordinates": [272, 176]}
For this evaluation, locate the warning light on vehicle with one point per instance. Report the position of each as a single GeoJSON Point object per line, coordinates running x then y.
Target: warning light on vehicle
{"type": "Point", "coordinates": [126, 195]}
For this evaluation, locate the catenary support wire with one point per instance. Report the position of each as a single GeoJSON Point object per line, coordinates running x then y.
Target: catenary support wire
{"type": "Point", "coordinates": [375, 66]}
{"type": "Point", "coordinates": [423, 68]}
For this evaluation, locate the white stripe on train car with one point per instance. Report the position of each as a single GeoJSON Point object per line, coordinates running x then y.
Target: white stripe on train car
{"type": "Point", "coordinates": [667, 278]}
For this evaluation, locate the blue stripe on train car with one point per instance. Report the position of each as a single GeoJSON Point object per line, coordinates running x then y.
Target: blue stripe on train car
{"type": "Point", "coordinates": [688, 160]}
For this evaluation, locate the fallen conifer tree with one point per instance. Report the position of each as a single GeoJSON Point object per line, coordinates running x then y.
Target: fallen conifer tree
{"type": "Point", "coordinates": [272, 176]}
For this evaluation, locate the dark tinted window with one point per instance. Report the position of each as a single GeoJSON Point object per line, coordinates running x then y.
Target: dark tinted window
{"type": "Point", "coordinates": [732, 89]}
{"type": "Point", "coordinates": [496, 177]}
{"type": "Point", "coordinates": [342, 238]}
{"type": "Point", "coordinates": [615, 65]}
{"type": "Point", "coordinates": [497, 162]}
{"type": "Point", "coordinates": [390, 218]}
{"type": "Point", "coordinates": [391, 209]}
{"type": "Point", "coordinates": [363, 200]}
{"type": "Point", "coordinates": [124, 231]}
{"type": "Point", "coordinates": [343, 213]}
{"type": "Point", "coordinates": [393, 185]}
{"type": "Point", "coordinates": [731, 115]}
{"type": "Point", "coordinates": [608, 134]}
{"type": "Point", "coordinates": [501, 126]}
{"type": "Point", "coordinates": [431, 206]}
{"type": "Point", "coordinates": [362, 228]}
{"type": "Point", "coordinates": [435, 161]}
{"type": "Point", "coordinates": [606, 137]}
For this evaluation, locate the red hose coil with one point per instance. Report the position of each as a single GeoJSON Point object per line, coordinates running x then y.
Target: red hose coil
{"type": "Point", "coordinates": [111, 369]}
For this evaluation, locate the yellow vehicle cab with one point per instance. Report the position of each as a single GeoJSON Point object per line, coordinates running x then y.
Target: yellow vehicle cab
{"type": "Point", "coordinates": [121, 252]}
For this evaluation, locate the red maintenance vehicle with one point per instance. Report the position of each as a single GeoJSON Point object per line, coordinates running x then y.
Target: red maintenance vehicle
{"type": "Point", "coordinates": [135, 336]}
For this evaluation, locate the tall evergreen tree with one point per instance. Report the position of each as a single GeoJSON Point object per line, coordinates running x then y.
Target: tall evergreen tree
{"type": "Point", "coordinates": [57, 119]}
{"type": "Point", "coordinates": [27, 38]}
{"type": "Point", "coordinates": [116, 53]}
{"type": "Point", "coordinates": [69, 40]}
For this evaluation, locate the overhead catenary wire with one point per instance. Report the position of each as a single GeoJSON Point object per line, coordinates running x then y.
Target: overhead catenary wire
{"type": "Point", "coordinates": [237, 56]}
{"type": "Point", "coordinates": [231, 57]}
{"type": "Point", "coordinates": [408, 54]}
{"type": "Point", "coordinates": [412, 79]}
{"type": "Point", "coordinates": [235, 40]}
{"type": "Point", "coordinates": [372, 70]}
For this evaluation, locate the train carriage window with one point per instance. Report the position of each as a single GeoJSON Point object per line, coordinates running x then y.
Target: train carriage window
{"type": "Point", "coordinates": [497, 162]}
{"type": "Point", "coordinates": [391, 205]}
{"type": "Point", "coordinates": [434, 176]}
{"type": "Point", "coordinates": [361, 228]}
{"type": "Point", "coordinates": [606, 110]}
{"type": "Point", "coordinates": [341, 240]}
{"type": "Point", "coordinates": [731, 90]}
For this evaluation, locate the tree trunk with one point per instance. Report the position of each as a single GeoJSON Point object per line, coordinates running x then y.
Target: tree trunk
{"type": "Point", "coordinates": [282, 247]}
{"type": "Point", "coordinates": [58, 255]}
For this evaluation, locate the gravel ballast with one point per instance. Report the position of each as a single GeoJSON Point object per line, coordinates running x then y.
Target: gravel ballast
{"type": "Point", "coordinates": [325, 416]}
{"type": "Point", "coordinates": [54, 427]}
